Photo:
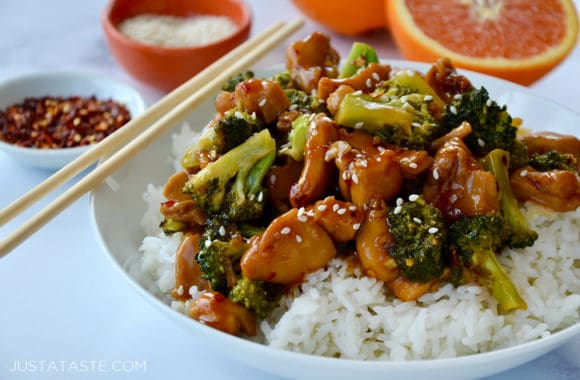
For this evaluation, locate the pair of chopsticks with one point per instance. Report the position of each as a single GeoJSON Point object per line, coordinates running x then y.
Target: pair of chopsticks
{"type": "Point", "coordinates": [157, 120]}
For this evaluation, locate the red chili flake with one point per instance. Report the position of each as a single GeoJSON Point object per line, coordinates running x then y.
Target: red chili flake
{"type": "Point", "coordinates": [58, 122]}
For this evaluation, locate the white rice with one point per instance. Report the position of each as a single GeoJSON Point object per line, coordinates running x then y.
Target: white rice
{"type": "Point", "coordinates": [338, 313]}
{"type": "Point", "coordinates": [171, 31]}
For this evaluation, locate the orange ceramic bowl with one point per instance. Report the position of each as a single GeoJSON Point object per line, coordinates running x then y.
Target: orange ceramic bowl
{"type": "Point", "coordinates": [167, 67]}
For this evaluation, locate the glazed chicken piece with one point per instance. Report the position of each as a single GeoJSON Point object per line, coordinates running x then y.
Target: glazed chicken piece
{"type": "Point", "coordinates": [445, 80]}
{"type": "Point", "coordinates": [365, 178]}
{"type": "Point", "coordinates": [364, 80]}
{"type": "Point", "coordinates": [310, 59]}
{"type": "Point", "coordinates": [372, 245]}
{"type": "Point", "coordinates": [335, 98]}
{"type": "Point", "coordinates": [406, 290]}
{"type": "Point", "coordinates": [187, 270]}
{"type": "Point", "coordinates": [183, 211]}
{"type": "Point", "coordinates": [341, 220]}
{"type": "Point", "coordinates": [279, 181]}
{"type": "Point", "coordinates": [293, 245]}
{"type": "Point", "coordinates": [558, 190]}
{"type": "Point", "coordinates": [263, 97]}
{"type": "Point", "coordinates": [215, 310]}
{"type": "Point", "coordinates": [317, 174]}
{"type": "Point", "coordinates": [458, 185]}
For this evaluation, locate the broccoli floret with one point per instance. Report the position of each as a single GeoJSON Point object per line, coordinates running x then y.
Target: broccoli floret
{"type": "Point", "coordinates": [230, 85]}
{"type": "Point", "coordinates": [231, 186]}
{"type": "Point", "coordinates": [171, 226]}
{"type": "Point", "coordinates": [284, 79]}
{"type": "Point", "coordinates": [553, 160]}
{"type": "Point", "coordinates": [403, 121]}
{"type": "Point", "coordinates": [301, 101]}
{"type": "Point", "coordinates": [220, 248]}
{"type": "Point", "coordinates": [419, 233]}
{"type": "Point", "coordinates": [297, 138]}
{"type": "Point", "coordinates": [231, 130]}
{"type": "Point", "coordinates": [477, 239]}
{"type": "Point", "coordinates": [258, 296]}
{"type": "Point", "coordinates": [491, 124]}
{"type": "Point", "coordinates": [520, 234]}
{"type": "Point", "coordinates": [360, 56]}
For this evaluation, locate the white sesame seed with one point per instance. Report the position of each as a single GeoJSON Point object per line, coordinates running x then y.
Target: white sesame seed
{"type": "Point", "coordinates": [254, 117]}
{"type": "Point", "coordinates": [352, 208]}
{"type": "Point", "coordinates": [397, 210]}
{"type": "Point", "coordinates": [358, 125]}
{"type": "Point", "coordinates": [369, 83]}
{"type": "Point", "coordinates": [208, 243]}
{"type": "Point", "coordinates": [433, 230]}
{"type": "Point", "coordinates": [222, 231]}
{"type": "Point", "coordinates": [354, 178]}
{"type": "Point", "coordinates": [310, 213]}
{"type": "Point", "coordinates": [321, 207]}
{"type": "Point", "coordinates": [408, 107]}
{"type": "Point", "coordinates": [293, 107]}
{"type": "Point", "coordinates": [341, 211]}
{"type": "Point", "coordinates": [435, 174]}
{"type": "Point", "coordinates": [413, 197]}
{"type": "Point", "coordinates": [453, 198]}
{"type": "Point", "coordinates": [358, 92]}
{"type": "Point", "coordinates": [273, 179]}
{"type": "Point", "coordinates": [524, 173]}
{"type": "Point", "coordinates": [400, 201]}
{"type": "Point", "coordinates": [180, 290]}
{"type": "Point", "coordinates": [345, 175]}
{"type": "Point", "coordinates": [415, 124]}
{"type": "Point", "coordinates": [301, 211]}
{"type": "Point", "coordinates": [489, 102]}
{"type": "Point", "coordinates": [480, 142]}
{"type": "Point", "coordinates": [381, 149]}
{"type": "Point", "coordinates": [413, 165]}
{"type": "Point", "coordinates": [262, 102]}
{"type": "Point", "coordinates": [417, 220]}
{"type": "Point", "coordinates": [335, 207]}
{"type": "Point", "coordinates": [302, 218]}
{"type": "Point", "coordinates": [453, 110]}
{"type": "Point", "coordinates": [364, 163]}
{"type": "Point", "coordinates": [299, 238]}
{"type": "Point", "coordinates": [260, 196]}
{"type": "Point", "coordinates": [376, 76]}
{"type": "Point", "coordinates": [356, 226]}
{"type": "Point", "coordinates": [428, 98]}
{"type": "Point", "coordinates": [310, 118]}
{"type": "Point", "coordinates": [238, 115]}
{"type": "Point", "coordinates": [457, 96]}
{"type": "Point", "coordinates": [285, 231]}
{"type": "Point", "coordinates": [252, 196]}
{"type": "Point", "coordinates": [404, 98]}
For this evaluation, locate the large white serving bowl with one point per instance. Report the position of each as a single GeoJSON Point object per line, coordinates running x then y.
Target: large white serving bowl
{"type": "Point", "coordinates": [64, 84]}
{"type": "Point", "coordinates": [121, 237]}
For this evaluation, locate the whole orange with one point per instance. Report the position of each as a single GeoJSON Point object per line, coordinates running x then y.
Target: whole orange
{"type": "Point", "coordinates": [345, 16]}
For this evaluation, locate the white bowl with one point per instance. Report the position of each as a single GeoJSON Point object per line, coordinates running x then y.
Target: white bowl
{"type": "Point", "coordinates": [62, 84]}
{"type": "Point", "coordinates": [121, 237]}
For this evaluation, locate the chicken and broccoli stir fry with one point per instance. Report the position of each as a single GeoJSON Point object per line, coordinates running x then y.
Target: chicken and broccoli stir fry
{"type": "Point", "coordinates": [416, 178]}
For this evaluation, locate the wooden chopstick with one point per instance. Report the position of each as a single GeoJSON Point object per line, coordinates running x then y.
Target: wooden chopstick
{"type": "Point", "coordinates": [122, 135]}
{"type": "Point", "coordinates": [237, 60]}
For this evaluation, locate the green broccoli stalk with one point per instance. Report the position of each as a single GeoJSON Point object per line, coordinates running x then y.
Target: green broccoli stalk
{"type": "Point", "coordinates": [360, 56]}
{"type": "Point", "coordinates": [554, 160]}
{"type": "Point", "coordinates": [232, 82]}
{"type": "Point", "coordinates": [297, 138]}
{"type": "Point", "coordinates": [419, 233]}
{"type": "Point", "coordinates": [258, 296]}
{"type": "Point", "coordinates": [220, 248]}
{"type": "Point", "coordinates": [231, 130]}
{"type": "Point", "coordinates": [284, 79]}
{"type": "Point", "coordinates": [231, 186]}
{"type": "Point", "coordinates": [491, 125]}
{"type": "Point", "coordinates": [520, 234]}
{"type": "Point", "coordinates": [404, 121]}
{"type": "Point", "coordinates": [477, 239]}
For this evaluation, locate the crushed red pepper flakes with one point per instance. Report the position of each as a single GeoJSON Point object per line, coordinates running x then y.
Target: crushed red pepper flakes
{"type": "Point", "coordinates": [61, 122]}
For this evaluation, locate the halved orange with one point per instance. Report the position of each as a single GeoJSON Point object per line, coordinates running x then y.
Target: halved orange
{"type": "Point", "coordinates": [345, 16]}
{"type": "Point", "coordinates": [518, 40]}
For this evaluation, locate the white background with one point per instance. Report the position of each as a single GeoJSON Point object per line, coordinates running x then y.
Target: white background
{"type": "Point", "coordinates": [61, 300]}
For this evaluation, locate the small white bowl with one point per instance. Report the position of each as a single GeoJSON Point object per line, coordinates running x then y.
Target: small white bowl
{"type": "Point", "coordinates": [62, 84]}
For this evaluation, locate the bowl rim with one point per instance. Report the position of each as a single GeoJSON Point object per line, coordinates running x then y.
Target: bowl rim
{"type": "Point", "coordinates": [112, 29]}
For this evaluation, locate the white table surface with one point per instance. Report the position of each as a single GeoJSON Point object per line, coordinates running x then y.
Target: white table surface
{"type": "Point", "coordinates": [62, 304]}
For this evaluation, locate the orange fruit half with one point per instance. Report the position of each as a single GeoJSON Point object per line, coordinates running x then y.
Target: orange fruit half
{"type": "Point", "coordinates": [518, 40]}
{"type": "Point", "coordinates": [345, 16]}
